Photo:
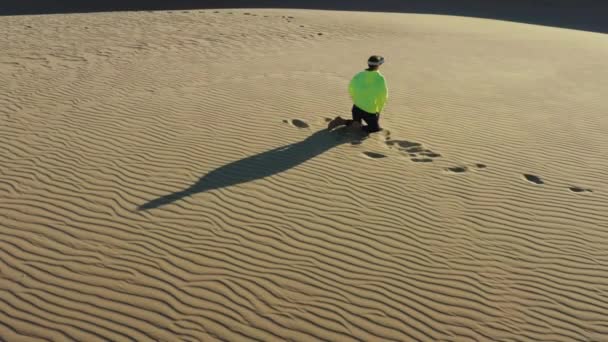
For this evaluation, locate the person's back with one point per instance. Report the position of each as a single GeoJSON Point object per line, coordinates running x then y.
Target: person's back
{"type": "Point", "coordinates": [369, 93]}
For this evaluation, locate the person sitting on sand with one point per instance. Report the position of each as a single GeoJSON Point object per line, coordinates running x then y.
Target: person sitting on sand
{"type": "Point", "coordinates": [369, 93]}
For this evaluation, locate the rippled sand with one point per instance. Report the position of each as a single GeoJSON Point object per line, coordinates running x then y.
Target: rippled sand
{"type": "Point", "coordinates": [167, 176]}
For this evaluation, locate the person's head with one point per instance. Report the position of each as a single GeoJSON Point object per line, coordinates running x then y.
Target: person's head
{"type": "Point", "coordinates": [374, 62]}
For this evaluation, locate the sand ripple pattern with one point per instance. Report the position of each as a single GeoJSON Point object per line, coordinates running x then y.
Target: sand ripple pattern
{"type": "Point", "coordinates": [110, 231]}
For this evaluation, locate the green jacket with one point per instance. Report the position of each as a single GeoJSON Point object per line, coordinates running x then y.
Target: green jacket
{"type": "Point", "coordinates": [368, 91]}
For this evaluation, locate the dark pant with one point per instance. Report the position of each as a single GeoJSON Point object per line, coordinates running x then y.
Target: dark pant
{"type": "Point", "coordinates": [370, 119]}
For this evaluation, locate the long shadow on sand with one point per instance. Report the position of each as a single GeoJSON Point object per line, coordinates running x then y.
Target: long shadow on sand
{"type": "Point", "coordinates": [261, 165]}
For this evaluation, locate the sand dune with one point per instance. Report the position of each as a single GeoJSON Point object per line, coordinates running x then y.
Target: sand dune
{"type": "Point", "coordinates": [167, 176]}
{"type": "Point", "coordinates": [588, 15]}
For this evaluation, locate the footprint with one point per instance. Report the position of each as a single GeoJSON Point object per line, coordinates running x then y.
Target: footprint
{"type": "Point", "coordinates": [404, 144]}
{"type": "Point", "coordinates": [430, 154]}
{"type": "Point", "coordinates": [579, 189]}
{"type": "Point", "coordinates": [533, 179]}
{"type": "Point", "coordinates": [297, 123]}
{"type": "Point", "coordinates": [374, 155]}
{"type": "Point", "coordinates": [457, 169]}
{"type": "Point", "coordinates": [415, 150]}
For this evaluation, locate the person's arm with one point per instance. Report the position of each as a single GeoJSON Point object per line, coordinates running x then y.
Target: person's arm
{"type": "Point", "coordinates": [351, 89]}
{"type": "Point", "coordinates": [382, 96]}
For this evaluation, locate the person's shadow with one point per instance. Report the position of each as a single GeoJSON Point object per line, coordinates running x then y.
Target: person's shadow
{"type": "Point", "coordinates": [262, 165]}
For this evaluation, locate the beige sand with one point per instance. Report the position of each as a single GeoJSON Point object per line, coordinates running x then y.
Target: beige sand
{"type": "Point", "coordinates": [115, 226]}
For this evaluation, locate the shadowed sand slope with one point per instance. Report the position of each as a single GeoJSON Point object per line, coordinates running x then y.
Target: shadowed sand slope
{"type": "Point", "coordinates": [166, 176]}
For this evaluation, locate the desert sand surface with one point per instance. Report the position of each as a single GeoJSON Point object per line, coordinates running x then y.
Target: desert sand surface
{"type": "Point", "coordinates": [167, 176]}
